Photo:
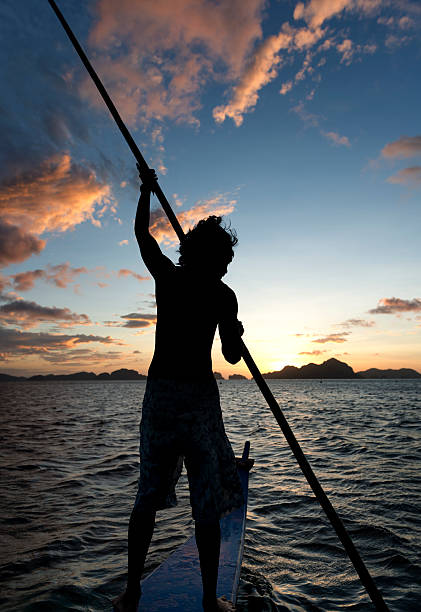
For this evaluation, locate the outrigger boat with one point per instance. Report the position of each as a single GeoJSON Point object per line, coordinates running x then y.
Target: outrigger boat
{"type": "Point", "coordinates": [176, 584]}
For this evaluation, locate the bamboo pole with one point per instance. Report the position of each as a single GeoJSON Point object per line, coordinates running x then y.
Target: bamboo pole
{"type": "Point", "coordinates": [305, 466]}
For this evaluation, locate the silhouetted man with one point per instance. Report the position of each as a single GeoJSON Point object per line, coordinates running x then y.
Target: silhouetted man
{"type": "Point", "coordinates": [181, 414]}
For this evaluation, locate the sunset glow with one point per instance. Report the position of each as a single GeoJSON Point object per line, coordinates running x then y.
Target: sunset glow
{"type": "Point", "coordinates": [299, 122]}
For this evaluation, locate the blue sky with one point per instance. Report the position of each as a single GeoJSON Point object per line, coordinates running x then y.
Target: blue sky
{"type": "Point", "coordinates": [298, 121]}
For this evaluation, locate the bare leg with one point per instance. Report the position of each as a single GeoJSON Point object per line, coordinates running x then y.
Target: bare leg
{"type": "Point", "coordinates": [208, 540]}
{"type": "Point", "coordinates": [141, 526]}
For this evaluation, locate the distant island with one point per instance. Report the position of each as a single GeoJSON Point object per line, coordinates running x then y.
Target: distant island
{"type": "Point", "coordinates": [122, 374]}
{"type": "Point", "coordinates": [332, 368]}
{"type": "Point", "coordinates": [402, 373]}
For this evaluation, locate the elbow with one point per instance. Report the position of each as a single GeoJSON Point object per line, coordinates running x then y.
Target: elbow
{"type": "Point", "coordinates": [232, 357]}
{"type": "Point", "coordinates": [234, 360]}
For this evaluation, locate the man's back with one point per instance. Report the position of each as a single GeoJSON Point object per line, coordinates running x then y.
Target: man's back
{"type": "Point", "coordinates": [189, 310]}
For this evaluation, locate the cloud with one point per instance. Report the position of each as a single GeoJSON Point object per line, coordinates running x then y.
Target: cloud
{"type": "Point", "coordinates": [29, 314]}
{"type": "Point", "coordinates": [123, 242]}
{"type": "Point", "coordinates": [133, 320]}
{"type": "Point", "coordinates": [16, 244]}
{"type": "Point", "coordinates": [17, 343]}
{"type": "Point", "coordinates": [308, 118]}
{"type": "Point", "coordinates": [81, 357]}
{"type": "Point", "coordinates": [337, 139]}
{"type": "Point", "coordinates": [53, 197]}
{"type": "Point", "coordinates": [125, 272]}
{"type": "Point", "coordinates": [136, 319]}
{"type": "Point", "coordinates": [402, 23]}
{"type": "Point", "coordinates": [350, 50]}
{"type": "Point", "coordinates": [262, 69]}
{"type": "Point", "coordinates": [357, 323]}
{"type": "Point", "coordinates": [312, 352]}
{"type": "Point", "coordinates": [346, 49]}
{"type": "Point", "coordinates": [332, 338]}
{"type": "Point", "coordinates": [60, 275]}
{"type": "Point", "coordinates": [405, 146]}
{"type": "Point", "coordinates": [316, 12]}
{"type": "Point", "coordinates": [405, 23]}
{"type": "Point", "coordinates": [286, 87]}
{"type": "Point", "coordinates": [4, 284]}
{"type": "Point", "coordinates": [266, 60]}
{"type": "Point", "coordinates": [56, 196]}
{"type": "Point", "coordinates": [221, 204]}
{"type": "Point", "coordinates": [393, 42]}
{"type": "Point", "coordinates": [406, 176]}
{"type": "Point", "coordinates": [395, 305]}
{"type": "Point", "coordinates": [170, 50]}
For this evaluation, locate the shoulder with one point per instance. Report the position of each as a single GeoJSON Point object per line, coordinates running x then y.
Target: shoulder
{"type": "Point", "coordinates": [228, 297]}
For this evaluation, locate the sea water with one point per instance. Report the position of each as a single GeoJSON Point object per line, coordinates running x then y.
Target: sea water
{"type": "Point", "coordinates": [69, 467]}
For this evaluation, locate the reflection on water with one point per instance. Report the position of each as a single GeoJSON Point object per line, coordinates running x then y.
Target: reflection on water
{"type": "Point", "coordinates": [69, 455]}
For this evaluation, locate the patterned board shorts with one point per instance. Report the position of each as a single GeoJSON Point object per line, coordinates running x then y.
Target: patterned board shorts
{"type": "Point", "coordinates": [183, 421]}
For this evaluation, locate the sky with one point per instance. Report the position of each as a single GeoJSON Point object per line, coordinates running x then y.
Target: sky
{"type": "Point", "coordinates": [297, 121]}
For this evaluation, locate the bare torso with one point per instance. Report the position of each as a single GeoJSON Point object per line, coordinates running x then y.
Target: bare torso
{"type": "Point", "coordinates": [189, 311]}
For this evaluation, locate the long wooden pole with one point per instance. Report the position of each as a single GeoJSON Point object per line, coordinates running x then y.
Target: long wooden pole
{"type": "Point", "coordinates": [305, 466]}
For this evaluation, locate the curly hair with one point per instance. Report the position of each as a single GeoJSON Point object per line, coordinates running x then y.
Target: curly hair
{"type": "Point", "coordinates": [209, 240]}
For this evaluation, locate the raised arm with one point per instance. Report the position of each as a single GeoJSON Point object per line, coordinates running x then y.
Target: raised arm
{"type": "Point", "coordinates": [230, 328]}
{"type": "Point", "coordinates": [151, 254]}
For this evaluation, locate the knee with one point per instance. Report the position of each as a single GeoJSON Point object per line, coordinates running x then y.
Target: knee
{"type": "Point", "coordinates": [143, 514]}
{"type": "Point", "coordinates": [208, 529]}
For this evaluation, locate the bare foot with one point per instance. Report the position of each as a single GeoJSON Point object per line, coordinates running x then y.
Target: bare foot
{"type": "Point", "coordinates": [220, 605]}
{"type": "Point", "coordinates": [126, 602]}
{"type": "Point", "coordinates": [224, 604]}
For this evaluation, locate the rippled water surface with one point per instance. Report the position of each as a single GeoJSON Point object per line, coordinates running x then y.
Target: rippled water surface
{"type": "Point", "coordinates": [69, 457]}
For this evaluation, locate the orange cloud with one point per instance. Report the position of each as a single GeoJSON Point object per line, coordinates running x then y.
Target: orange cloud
{"type": "Point", "coordinates": [346, 49]}
{"type": "Point", "coordinates": [337, 139]}
{"type": "Point", "coordinates": [405, 146]}
{"type": "Point", "coordinates": [133, 320]}
{"type": "Point", "coordinates": [395, 305]}
{"type": "Point", "coordinates": [125, 272]}
{"type": "Point", "coordinates": [262, 69]}
{"type": "Point", "coordinates": [156, 56]}
{"type": "Point", "coordinates": [357, 323]}
{"type": "Point", "coordinates": [60, 275]}
{"type": "Point", "coordinates": [406, 176]}
{"type": "Point", "coordinates": [169, 50]}
{"type": "Point", "coordinates": [332, 338]}
{"type": "Point", "coordinates": [316, 12]}
{"type": "Point", "coordinates": [56, 196]}
{"type": "Point", "coordinates": [161, 229]}
{"type": "Point", "coordinates": [266, 60]}
{"type": "Point", "coordinates": [136, 319]}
